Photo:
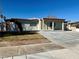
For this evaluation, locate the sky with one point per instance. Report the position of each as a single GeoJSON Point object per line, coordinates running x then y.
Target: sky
{"type": "Point", "coordinates": [66, 9]}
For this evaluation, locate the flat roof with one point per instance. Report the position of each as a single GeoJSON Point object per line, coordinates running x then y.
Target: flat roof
{"type": "Point", "coordinates": [20, 19]}
{"type": "Point", "coordinates": [35, 19]}
{"type": "Point", "coordinates": [54, 19]}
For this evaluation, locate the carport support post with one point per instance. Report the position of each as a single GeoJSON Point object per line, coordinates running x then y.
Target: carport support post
{"type": "Point", "coordinates": [42, 24]}
{"type": "Point", "coordinates": [39, 24]}
{"type": "Point", "coordinates": [62, 26]}
{"type": "Point", "coordinates": [52, 25]}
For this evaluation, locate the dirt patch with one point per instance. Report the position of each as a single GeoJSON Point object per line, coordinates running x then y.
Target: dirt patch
{"type": "Point", "coordinates": [22, 40]}
{"type": "Point", "coordinates": [28, 49]}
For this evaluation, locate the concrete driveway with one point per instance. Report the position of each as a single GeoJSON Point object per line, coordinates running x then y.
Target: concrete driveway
{"type": "Point", "coordinates": [67, 39]}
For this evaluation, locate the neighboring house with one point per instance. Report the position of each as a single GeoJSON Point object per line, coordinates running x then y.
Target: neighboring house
{"type": "Point", "coordinates": [73, 26]}
{"type": "Point", "coordinates": [17, 24]}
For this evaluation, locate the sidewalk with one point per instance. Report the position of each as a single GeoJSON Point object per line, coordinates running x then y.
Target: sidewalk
{"type": "Point", "coordinates": [56, 54]}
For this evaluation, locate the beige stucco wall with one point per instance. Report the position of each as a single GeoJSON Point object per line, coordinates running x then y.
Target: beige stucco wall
{"type": "Point", "coordinates": [28, 26]}
{"type": "Point", "coordinates": [71, 28]}
{"type": "Point", "coordinates": [39, 25]}
{"type": "Point", "coordinates": [77, 29]}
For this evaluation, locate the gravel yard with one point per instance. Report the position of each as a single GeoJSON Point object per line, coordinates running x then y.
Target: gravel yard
{"type": "Point", "coordinates": [22, 40]}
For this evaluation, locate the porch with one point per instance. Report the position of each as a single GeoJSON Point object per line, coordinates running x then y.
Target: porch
{"type": "Point", "coordinates": [52, 24]}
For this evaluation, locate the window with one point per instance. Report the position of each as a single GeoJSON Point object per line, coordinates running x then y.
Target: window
{"type": "Point", "coordinates": [33, 24]}
{"type": "Point", "coordinates": [58, 26]}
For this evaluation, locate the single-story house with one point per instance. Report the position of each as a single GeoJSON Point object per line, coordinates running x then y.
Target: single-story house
{"type": "Point", "coordinates": [16, 24]}
{"type": "Point", "coordinates": [23, 24]}
{"type": "Point", "coordinates": [52, 24]}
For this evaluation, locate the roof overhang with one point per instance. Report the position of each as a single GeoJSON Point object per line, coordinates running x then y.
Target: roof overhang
{"type": "Point", "coordinates": [20, 20]}
{"type": "Point", "coordinates": [54, 19]}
